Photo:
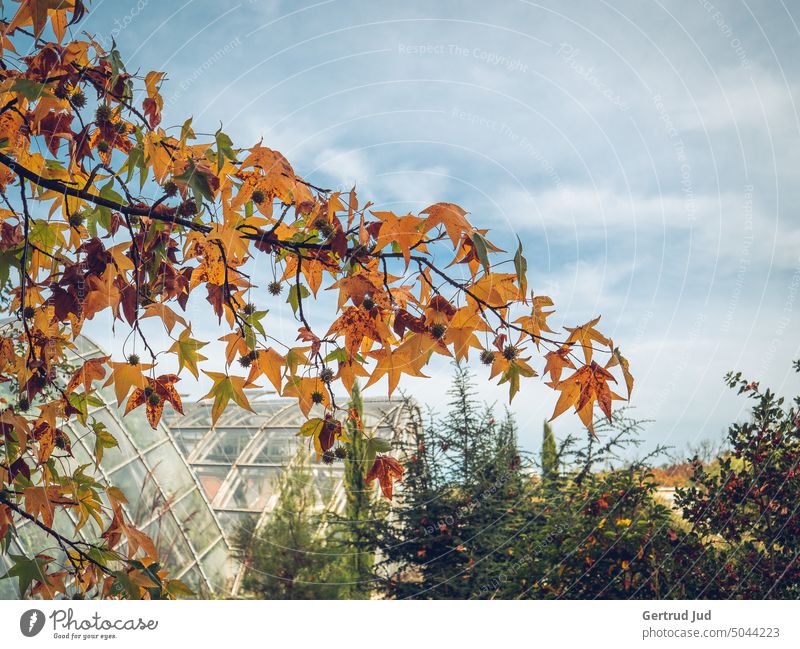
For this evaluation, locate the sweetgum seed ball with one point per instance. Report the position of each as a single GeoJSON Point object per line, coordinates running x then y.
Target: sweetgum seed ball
{"type": "Point", "coordinates": [78, 99]}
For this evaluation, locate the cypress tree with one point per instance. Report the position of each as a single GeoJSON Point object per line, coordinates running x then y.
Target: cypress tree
{"type": "Point", "coordinates": [358, 509]}
{"type": "Point", "coordinates": [549, 455]}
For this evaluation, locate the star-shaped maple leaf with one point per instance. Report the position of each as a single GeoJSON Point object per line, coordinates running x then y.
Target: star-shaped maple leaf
{"type": "Point", "coordinates": [387, 470]}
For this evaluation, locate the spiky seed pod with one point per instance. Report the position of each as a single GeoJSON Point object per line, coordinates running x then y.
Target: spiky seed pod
{"type": "Point", "coordinates": [170, 188]}
{"type": "Point", "coordinates": [258, 196]}
{"type": "Point", "coordinates": [102, 114]}
{"type": "Point", "coordinates": [75, 220]}
{"type": "Point", "coordinates": [340, 452]}
{"type": "Point", "coordinates": [326, 374]}
{"type": "Point", "coordinates": [487, 357]}
{"type": "Point", "coordinates": [78, 99]}
{"type": "Point", "coordinates": [328, 457]}
{"type": "Point", "coordinates": [249, 308]}
{"type": "Point", "coordinates": [324, 227]}
{"type": "Point", "coordinates": [23, 404]}
{"type": "Point", "coordinates": [274, 288]}
{"type": "Point", "coordinates": [438, 330]}
{"type": "Point", "coordinates": [61, 91]}
{"type": "Point", "coordinates": [28, 312]}
{"type": "Point", "coordinates": [154, 399]}
{"type": "Point", "coordinates": [510, 352]}
{"type": "Point", "coordinates": [317, 396]}
{"type": "Point", "coordinates": [148, 391]}
{"type": "Point", "coordinates": [133, 359]}
{"type": "Point", "coordinates": [368, 304]}
{"type": "Point", "coordinates": [187, 208]}
{"type": "Point", "coordinates": [246, 360]}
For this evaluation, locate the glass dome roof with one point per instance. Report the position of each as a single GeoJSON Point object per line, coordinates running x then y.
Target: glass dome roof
{"type": "Point", "coordinates": [165, 498]}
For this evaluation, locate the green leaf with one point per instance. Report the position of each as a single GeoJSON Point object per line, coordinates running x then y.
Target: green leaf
{"type": "Point", "coordinates": [8, 258]}
{"type": "Point", "coordinates": [187, 133]}
{"type": "Point", "coordinates": [31, 90]}
{"type": "Point", "coordinates": [312, 427]}
{"type": "Point", "coordinates": [27, 571]}
{"type": "Point", "coordinates": [123, 585]}
{"type": "Point", "coordinates": [188, 351]}
{"type": "Point", "coordinates": [45, 237]}
{"type": "Point", "coordinates": [339, 354]}
{"type": "Point", "coordinates": [224, 149]}
{"type": "Point", "coordinates": [78, 401]}
{"type": "Point", "coordinates": [297, 292]}
{"type": "Point", "coordinates": [481, 249]}
{"type": "Point", "coordinates": [177, 588]}
{"type": "Point", "coordinates": [254, 320]}
{"type": "Point", "coordinates": [103, 440]}
{"type": "Point", "coordinates": [136, 160]}
{"type": "Point", "coordinates": [114, 59]}
{"type": "Point", "coordinates": [374, 446]}
{"type": "Point", "coordinates": [197, 181]}
{"type": "Point", "coordinates": [104, 213]}
{"type": "Point", "coordinates": [521, 266]}
{"type": "Point", "coordinates": [511, 376]}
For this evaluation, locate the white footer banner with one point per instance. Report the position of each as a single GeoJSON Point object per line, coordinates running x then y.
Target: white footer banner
{"type": "Point", "coordinates": [384, 624]}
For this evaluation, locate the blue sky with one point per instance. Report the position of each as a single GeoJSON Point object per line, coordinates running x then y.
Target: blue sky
{"type": "Point", "coordinates": [645, 152]}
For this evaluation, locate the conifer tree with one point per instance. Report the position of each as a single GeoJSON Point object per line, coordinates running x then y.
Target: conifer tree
{"type": "Point", "coordinates": [359, 509]}
{"type": "Point", "coordinates": [287, 558]}
{"type": "Point", "coordinates": [460, 503]}
{"type": "Point", "coordinates": [549, 455]}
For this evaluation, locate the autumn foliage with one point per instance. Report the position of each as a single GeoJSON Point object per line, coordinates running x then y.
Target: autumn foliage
{"type": "Point", "coordinates": [105, 209]}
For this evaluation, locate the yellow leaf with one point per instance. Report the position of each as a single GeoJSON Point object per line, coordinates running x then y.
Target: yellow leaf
{"type": "Point", "coordinates": [224, 389]}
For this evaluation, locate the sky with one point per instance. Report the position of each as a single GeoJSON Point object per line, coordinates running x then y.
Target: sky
{"type": "Point", "coordinates": [644, 152]}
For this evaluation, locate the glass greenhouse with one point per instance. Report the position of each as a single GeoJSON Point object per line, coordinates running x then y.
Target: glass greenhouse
{"type": "Point", "coordinates": [239, 459]}
{"type": "Point", "coordinates": [190, 485]}
{"type": "Point", "coordinates": [164, 498]}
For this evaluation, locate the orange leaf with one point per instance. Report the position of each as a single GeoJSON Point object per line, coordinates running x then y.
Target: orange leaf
{"type": "Point", "coordinates": [91, 370]}
{"type": "Point", "coordinates": [387, 470]}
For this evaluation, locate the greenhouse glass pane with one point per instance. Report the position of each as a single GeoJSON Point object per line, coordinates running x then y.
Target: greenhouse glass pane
{"type": "Point", "coordinates": [169, 470]}
{"type": "Point", "coordinates": [172, 546]}
{"type": "Point", "coordinates": [194, 515]}
{"type": "Point", "coordinates": [253, 488]}
{"type": "Point", "coordinates": [232, 522]}
{"type": "Point", "coordinates": [228, 445]}
{"type": "Point", "coordinates": [140, 488]}
{"type": "Point", "coordinates": [141, 433]}
{"type": "Point", "coordinates": [212, 478]}
{"type": "Point", "coordinates": [218, 565]}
